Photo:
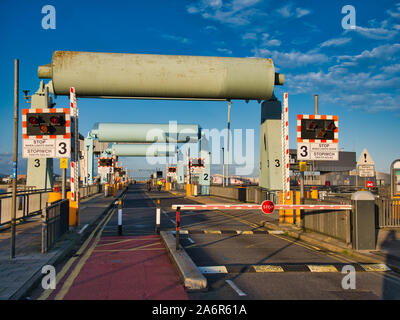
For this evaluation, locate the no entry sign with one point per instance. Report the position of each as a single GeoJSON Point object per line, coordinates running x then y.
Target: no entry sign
{"type": "Point", "coordinates": [267, 207]}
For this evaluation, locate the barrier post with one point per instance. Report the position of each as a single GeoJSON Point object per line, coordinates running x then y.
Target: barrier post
{"type": "Point", "coordinates": [158, 210]}
{"type": "Point", "coordinates": [178, 222]}
{"type": "Point", "coordinates": [120, 217]}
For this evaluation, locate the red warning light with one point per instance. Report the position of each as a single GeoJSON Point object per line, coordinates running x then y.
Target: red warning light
{"type": "Point", "coordinates": [33, 120]}
{"type": "Point", "coordinates": [54, 120]}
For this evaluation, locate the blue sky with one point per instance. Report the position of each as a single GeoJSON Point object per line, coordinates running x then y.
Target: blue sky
{"type": "Point", "coordinates": [355, 72]}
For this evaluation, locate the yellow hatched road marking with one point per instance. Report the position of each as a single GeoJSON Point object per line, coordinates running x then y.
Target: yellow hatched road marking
{"type": "Point", "coordinates": [212, 231]}
{"type": "Point", "coordinates": [268, 268]}
{"type": "Point", "coordinates": [322, 268]}
{"type": "Point", "coordinates": [378, 267]}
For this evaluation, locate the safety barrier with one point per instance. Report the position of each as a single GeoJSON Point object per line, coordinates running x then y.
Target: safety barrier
{"type": "Point", "coordinates": [32, 203]}
{"type": "Point", "coordinates": [55, 222]}
{"type": "Point", "coordinates": [201, 207]}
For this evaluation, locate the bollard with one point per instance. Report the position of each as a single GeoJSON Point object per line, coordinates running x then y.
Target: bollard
{"type": "Point", "coordinates": [106, 190]}
{"type": "Point", "coordinates": [363, 220]}
{"type": "Point", "coordinates": [120, 217]}
{"type": "Point", "coordinates": [178, 222]}
{"type": "Point", "coordinates": [158, 210]}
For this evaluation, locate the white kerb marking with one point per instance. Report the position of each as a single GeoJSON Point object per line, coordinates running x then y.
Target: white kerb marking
{"type": "Point", "coordinates": [234, 287]}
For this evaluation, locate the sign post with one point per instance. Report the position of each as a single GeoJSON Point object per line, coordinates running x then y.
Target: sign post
{"type": "Point", "coordinates": [15, 159]}
{"type": "Point", "coordinates": [74, 159]}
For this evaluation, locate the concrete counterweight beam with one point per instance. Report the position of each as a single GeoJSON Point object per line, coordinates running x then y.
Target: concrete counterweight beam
{"type": "Point", "coordinates": [119, 75]}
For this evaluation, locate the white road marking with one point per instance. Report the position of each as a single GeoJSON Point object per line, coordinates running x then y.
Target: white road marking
{"type": "Point", "coordinates": [234, 287]}
{"type": "Point", "coordinates": [83, 228]}
{"type": "Point", "coordinates": [213, 269]}
{"type": "Point", "coordinates": [190, 239]}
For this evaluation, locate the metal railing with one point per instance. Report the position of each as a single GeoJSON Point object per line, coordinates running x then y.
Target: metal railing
{"type": "Point", "coordinates": [55, 223]}
{"type": "Point", "coordinates": [32, 202]}
{"type": "Point", "coordinates": [388, 212]}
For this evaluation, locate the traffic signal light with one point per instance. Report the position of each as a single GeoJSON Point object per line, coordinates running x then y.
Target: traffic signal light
{"type": "Point", "coordinates": [311, 125]}
{"type": "Point", "coordinates": [330, 125]}
{"type": "Point", "coordinates": [317, 129]}
{"type": "Point", "coordinates": [46, 124]}
{"type": "Point", "coordinates": [105, 162]}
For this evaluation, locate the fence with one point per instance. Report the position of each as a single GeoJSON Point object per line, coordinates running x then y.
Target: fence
{"type": "Point", "coordinates": [55, 222]}
{"type": "Point", "coordinates": [32, 203]}
{"type": "Point", "coordinates": [388, 212]}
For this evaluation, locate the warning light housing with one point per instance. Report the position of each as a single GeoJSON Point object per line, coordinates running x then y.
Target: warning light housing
{"type": "Point", "coordinates": [318, 129]}
{"type": "Point", "coordinates": [51, 123]}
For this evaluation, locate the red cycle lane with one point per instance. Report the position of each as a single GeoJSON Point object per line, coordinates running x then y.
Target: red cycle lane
{"type": "Point", "coordinates": [127, 268]}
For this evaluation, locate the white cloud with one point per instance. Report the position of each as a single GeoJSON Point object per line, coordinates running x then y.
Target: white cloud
{"type": "Point", "coordinates": [393, 68]}
{"type": "Point", "coordinates": [273, 43]}
{"type": "Point", "coordinates": [285, 11]}
{"type": "Point", "coordinates": [176, 38]}
{"type": "Point", "coordinates": [291, 59]}
{"type": "Point", "coordinates": [386, 51]}
{"type": "Point", "coordinates": [288, 11]}
{"type": "Point", "coordinates": [380, 33]}
{"type": "Point", "coordinates": [235, 12]}
{"type": "Point", "coordinates": [348, 89]}
{"type": "Point", "coordinates": [300, 12]}
{"type": "Point", "coordinates": [335, 42]}
{"type": "Point", "coordinates": [249, 36]}
{"type": "Point", "coordinates": [225, 51]}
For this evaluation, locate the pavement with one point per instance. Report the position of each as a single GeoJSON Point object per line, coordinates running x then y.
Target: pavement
{"type": "Point", "coordinates": [19, 275]}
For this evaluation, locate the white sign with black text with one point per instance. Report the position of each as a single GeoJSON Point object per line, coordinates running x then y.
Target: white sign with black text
{"type": "Point", "coordinates": [317, 151]}
{"type": "Point", "coordinates": [46, 148]}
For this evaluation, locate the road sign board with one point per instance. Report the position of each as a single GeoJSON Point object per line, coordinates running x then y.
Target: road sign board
{"type": "Point", "coordinates": [267, 207]}
{"type": "Point", "coordinates": [317, 151]}
{"type": "Point", "coordinates": [171, 172]}
{"type": "Point", "coordinates": [63, 163]}
{"type": "Point", "coordinates": [366, 170]}
{"type": "Point", "coordinates": [317, 137]}
{"type": "Point", "coordinates": [46, 148]}
{"type": "Point", "coordinates": [365, 165]}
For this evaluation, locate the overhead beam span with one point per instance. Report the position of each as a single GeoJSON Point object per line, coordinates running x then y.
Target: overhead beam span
{"type": "Point", "coordinates": [103, 74]}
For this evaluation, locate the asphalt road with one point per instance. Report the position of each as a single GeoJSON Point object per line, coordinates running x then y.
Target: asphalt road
{"type": "Point", "coordinates": [237, 254]}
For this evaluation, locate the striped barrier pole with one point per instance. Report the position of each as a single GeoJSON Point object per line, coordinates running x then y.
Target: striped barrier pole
{"type": "Point", "coordinates": [120, 217]}
{"type": "Point", "coordinates": [158, 211]}
{"type": "Point", "coordinates": [259, 207]}
{"type": "Point", "coordinates": [178, 222]}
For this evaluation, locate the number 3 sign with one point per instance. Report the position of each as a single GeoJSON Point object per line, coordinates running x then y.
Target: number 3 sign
{"type": "Point", "coordinates": [303, 151]}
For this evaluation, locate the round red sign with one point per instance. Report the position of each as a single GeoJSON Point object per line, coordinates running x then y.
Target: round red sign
{"type": "Point", "coordinates": [267, 207]}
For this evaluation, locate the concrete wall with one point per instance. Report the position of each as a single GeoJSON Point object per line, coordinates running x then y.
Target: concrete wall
{"type": "Point", "coordinates": [336, 224]}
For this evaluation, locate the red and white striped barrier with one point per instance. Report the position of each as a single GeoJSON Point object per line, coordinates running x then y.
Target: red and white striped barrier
{"type": "Point", "coordinates": [195, 207]}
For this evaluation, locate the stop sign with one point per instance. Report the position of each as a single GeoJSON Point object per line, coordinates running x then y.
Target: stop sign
{"type": "Point", "coordinates": [267, 207]}
{"type": "Point", "coordinates": [370, 184]}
